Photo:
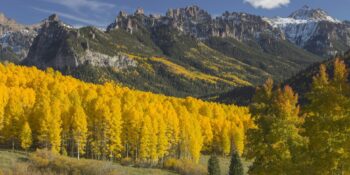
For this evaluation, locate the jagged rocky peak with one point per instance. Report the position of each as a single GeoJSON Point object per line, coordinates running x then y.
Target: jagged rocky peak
{"type": "Point", "coordinates": [3, 18]}
{"type": "Point", "coordinates": [123, 14]}
{"type": "Point", "coordinates": [54, 17]}
{"type": "Point", "coordinates": [242, 17]}
{"type": "Point", "coordinates": [308, 13]}
{"type": "Point", "coordinates": [55, 22]}
{"type": "Point", "coordinates": [8, 23]}
{"type": "Point", "coordinates": [139, 11]}
{"type": "Point", "coordinates": [193, 12]}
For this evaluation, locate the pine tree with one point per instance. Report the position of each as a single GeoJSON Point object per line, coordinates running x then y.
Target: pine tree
{"type": "Point", "coordinates": [236, 167]}
{"type": "Point", "coordinates": [214, 165]}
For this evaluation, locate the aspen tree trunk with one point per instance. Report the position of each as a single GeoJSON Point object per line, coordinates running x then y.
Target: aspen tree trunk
{"type": "Point", "coordinates": [78, 148]}
{"type": "Point", "coordinates": [13, 145]}
{"type": "Point", "coordinates": [127, 150]}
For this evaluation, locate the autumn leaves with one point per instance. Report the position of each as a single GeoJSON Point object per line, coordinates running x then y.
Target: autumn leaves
{"type": "Point", "coordinates": [47, 110]}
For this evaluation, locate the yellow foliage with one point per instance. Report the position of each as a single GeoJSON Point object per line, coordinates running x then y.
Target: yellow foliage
{"type": "Point", "coordinates": [177, 69]}
{"type": "Point", "coordinates": [109, 121]}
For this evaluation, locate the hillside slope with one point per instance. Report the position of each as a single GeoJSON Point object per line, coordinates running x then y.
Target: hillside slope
{"type": "Point", "coordinates": [300, 83]}
{"type": "Point", "coordinates": [148, 53]}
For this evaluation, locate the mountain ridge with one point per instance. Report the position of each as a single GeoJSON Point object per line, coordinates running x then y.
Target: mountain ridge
{"type": "Point", "coordinates": [185, 51]}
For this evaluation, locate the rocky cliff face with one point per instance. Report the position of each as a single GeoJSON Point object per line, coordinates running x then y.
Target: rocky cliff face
{"type": "Point", "coordinates": [15, 39]}
{"type": "Point", "coordinates": [60, 46]}
{"type": "Point", "coordinates": [184, 52]}
{"type": "Point", "coordinates": [200, 24]}
{"type": "Point", "coordinates": [50, 48]}
{"type": "Point", "coordinates": [310, 29]}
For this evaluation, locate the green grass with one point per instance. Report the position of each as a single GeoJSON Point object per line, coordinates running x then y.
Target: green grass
{"type": "Point", "coordinates": [225, 164]}
{"type": "Point", "coordinates": [20, 163]}
{"type": "Point", "coordinates": [10, 161]}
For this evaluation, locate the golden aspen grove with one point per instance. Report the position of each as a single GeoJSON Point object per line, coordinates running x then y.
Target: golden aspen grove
{"type": "Point", "coordinates": [44, 109]}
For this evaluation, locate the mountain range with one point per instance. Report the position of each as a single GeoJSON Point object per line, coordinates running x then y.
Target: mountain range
{"type": "Point", "coordinates": [185, 52]}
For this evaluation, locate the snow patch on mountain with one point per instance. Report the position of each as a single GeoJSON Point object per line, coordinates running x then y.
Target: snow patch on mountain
{"type": "Point", "coordinates": [18, 41]}
{"type": "Point", "coordinates": [307, 13]}
{"type": "Point", "coordinates": [301, 25]}
{"type": "Point", "coordinates": [279, 22]}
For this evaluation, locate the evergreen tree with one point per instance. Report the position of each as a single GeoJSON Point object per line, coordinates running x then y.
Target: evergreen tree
{"type": "Point", "coordinates": [214, 165]}
{"type": "Point", "coordinates": [236, 167]}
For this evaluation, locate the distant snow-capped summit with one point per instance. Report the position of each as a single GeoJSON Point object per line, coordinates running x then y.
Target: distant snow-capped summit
{"type": "Point", "coordinates": [313, 30]}
{"type": "Point", "coordinates": [302, 16]}
{"type": "Point", "coordinates": [310, 14]}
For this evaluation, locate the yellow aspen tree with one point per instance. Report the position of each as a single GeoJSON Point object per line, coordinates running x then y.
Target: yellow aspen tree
{"type": "Point", "coordinates": [276, 140]}
{"type": "Point", "coordinates": [184, 136]}
{"type": "Point", "coordinates": [196, 142]}
{"type": "Point", "coordinates": [3, 102]}
{"type": "Point", "coordinates": [20, 103]}
{"type": "Point", "coordinates": [79, 126]}
{"type": "Point", "coordinates": [145, 140]}
{"type": "Point", "coordinates": [163, 141]}
{"type": "Point", "coordinates": [326, 124]}
{"type": "Point", "coordinates": [225, 139]}
{"type": "Point", "coordinates": [55, 126]}
{"type": "Point", "coordinates": [207, 133]}
{"type": "Point", "coordinates": [107, 120]}
{"type": "Point", "coordinates": [237, 137]}
{"type": "Point", "coordinates": [172, 128]}
{"type": "Point", "coordinates": [49, 124]}
{"type": "Point", "coordinates": [206, 111]}
{"type": "Point", "coordinates": [191, 140]}
{"type": "Point", "coordinates": [102, 116]}
{"type": "Point", "coordinates": [131, 131]}
{"type": "Point", "coordinates": [154, 132]}
{"type": "Point", "coordinates": [115, 130]}
{"type": "Point", "coordinates": [26, 136]}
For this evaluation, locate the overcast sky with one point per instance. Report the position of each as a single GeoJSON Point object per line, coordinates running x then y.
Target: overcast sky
{"type": "Point", "coordinates": [102, 12]}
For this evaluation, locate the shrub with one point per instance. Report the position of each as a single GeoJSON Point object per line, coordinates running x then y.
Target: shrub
{"type": "Point", "coordinates": [184, 167]}
{"type": "Point", "coordinates": [46, 161]}
{"type": "Point", "coordinates": [127, 161]}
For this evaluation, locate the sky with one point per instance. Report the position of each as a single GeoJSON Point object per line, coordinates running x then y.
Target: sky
{"type": "Point", "coordinates": [102, 12]}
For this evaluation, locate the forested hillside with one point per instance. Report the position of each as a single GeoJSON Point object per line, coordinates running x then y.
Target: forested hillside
{"type": "Point", "coordinates": [301, 84]}
{"type": "Point", "coordinates": [302, 81]}
{"type": "Point", "coordinates": [44, 109]}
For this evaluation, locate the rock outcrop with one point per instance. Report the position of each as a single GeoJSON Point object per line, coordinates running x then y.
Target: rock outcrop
{"type": "Point", "coordinates": [53, 47]}
{"type": "Point", "coordinates": [310, 29]}
{"type": "Point", "coordinates": [15, 39]}
{"type": "Point", "coordinates": [198, 23]}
